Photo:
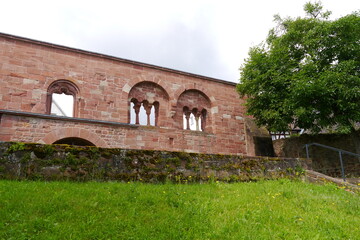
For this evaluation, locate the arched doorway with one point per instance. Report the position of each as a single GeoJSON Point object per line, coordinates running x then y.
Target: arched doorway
{"type": "Point", "coordinates": [74, 141]}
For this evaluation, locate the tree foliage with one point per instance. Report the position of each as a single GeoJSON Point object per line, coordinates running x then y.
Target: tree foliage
{"type": "Point", "coordinates": [306, 74]}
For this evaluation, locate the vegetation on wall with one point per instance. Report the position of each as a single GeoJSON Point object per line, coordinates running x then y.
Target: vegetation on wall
{"type": "Point", "coordinates": [65, 162]}
{"type": "Point", "coordinates": [306, 74]}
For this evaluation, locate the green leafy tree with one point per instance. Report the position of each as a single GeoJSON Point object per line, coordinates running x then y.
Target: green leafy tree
{"type": "Point", "coordinates": [306, 74]}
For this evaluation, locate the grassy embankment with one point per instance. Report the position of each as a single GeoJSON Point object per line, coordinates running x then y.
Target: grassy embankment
{"type": "Point", "coordinates": [257, 210]}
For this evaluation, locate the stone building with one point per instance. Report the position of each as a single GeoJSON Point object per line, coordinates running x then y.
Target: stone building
{"type": "Point", "coordinates": [56, 94]}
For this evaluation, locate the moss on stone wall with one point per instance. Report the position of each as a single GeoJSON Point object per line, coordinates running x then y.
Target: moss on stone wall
{"type": "Point", "coordinates": [65, 162]}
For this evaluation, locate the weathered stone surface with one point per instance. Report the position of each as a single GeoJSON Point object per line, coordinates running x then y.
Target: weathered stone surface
{"type": "Point", "coordinates": [64, 162]}
{"type": "Point", "coordinates": [103, 88]}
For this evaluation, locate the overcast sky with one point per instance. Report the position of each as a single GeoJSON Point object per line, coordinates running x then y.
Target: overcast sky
{"type": "Point", "coordinates": [206, 37]}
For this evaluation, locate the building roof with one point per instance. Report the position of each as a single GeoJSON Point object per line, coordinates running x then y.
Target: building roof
{"type": "Point", "coordinates": [104, 56]}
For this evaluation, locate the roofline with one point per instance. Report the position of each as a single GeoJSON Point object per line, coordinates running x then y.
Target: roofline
{"type": "Point", "coordinates": [123, 60]}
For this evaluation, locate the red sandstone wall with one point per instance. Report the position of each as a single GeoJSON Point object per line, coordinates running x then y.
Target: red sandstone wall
{"type": "Point", "coordinates": [27, 68]}
{"type": "Point", "coordinates": [28, 129]}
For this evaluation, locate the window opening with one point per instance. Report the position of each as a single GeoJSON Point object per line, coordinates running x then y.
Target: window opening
{"type": "Point", "coordinates": [191, 109]}
{"type": "Point", "coordinates": [152, 116]}
{"type": "Point", "coordinates": [193, 120]}
{"type": "Point", "coordinates": [184, 121]}
{"type": "Point", "coordinates": [62, 105]}
{"type": "Point", "coordinates": [193, 123]}
{"type": "Point", "coordinates": [61, 98]}
{"type": "Point", "coordinates": [143, 113]}
{"type": "Point", "coordinates": [199, 125]}
{"type": "Point", "coordinates": [132, 113]}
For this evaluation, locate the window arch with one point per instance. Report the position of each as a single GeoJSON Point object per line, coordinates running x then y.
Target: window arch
{"type": "Point", "coordinates": [144, 113]}
{"type": "Point", "coordinates": [145, 99]}
{"type": "Point", "coordinates": [192, 108]}
{"type": "Point", "coordinates": [194, 119]}
{"type": "Point", "coordinates": [61, 96]}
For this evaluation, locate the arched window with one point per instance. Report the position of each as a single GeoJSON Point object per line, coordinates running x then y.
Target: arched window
{"type": "Point", "coordinates": [145, 99]}
{"type": "Point", "coordinates": [61, 96]}
{"type": "Point", "coordinates": [191, 106]}
{"type": "Point", "coordinates": [143, 113]}
{"type": "Point", "coordinates": [193, 119]}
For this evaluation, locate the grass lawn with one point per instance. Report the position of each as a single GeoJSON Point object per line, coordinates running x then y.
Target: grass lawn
{"type": "Point", "coordinates": [280, 209]}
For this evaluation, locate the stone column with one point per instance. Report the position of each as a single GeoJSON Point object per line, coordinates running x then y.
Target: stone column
{"type": "Point", "coordinates": [137, 111]}
{"type": "Point", "coordinates": [148, 112]}
{"type": "Point", "coordinates": [156, 106]}
{"type": "Point", "coordinates": [203, 119]}
{"type": "Point", "coordinates": [187, 117]}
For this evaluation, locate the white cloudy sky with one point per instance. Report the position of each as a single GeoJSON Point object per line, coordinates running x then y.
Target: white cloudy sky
{"type": "Point", "coordinates": [206, 37]}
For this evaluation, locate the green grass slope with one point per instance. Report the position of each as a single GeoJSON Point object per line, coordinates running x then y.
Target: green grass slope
{"type": "Point", "coordinates": [280, 209]}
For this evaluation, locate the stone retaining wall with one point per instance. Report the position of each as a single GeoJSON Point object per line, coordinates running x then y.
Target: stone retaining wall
{"type": "Point", "coordinates": [64, 162]}
{"type": "Point", "coordinates": [324, 160]}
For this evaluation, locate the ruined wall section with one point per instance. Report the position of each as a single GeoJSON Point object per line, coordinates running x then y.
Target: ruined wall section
{"type": "Point", "coordinates": [29, 67]}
